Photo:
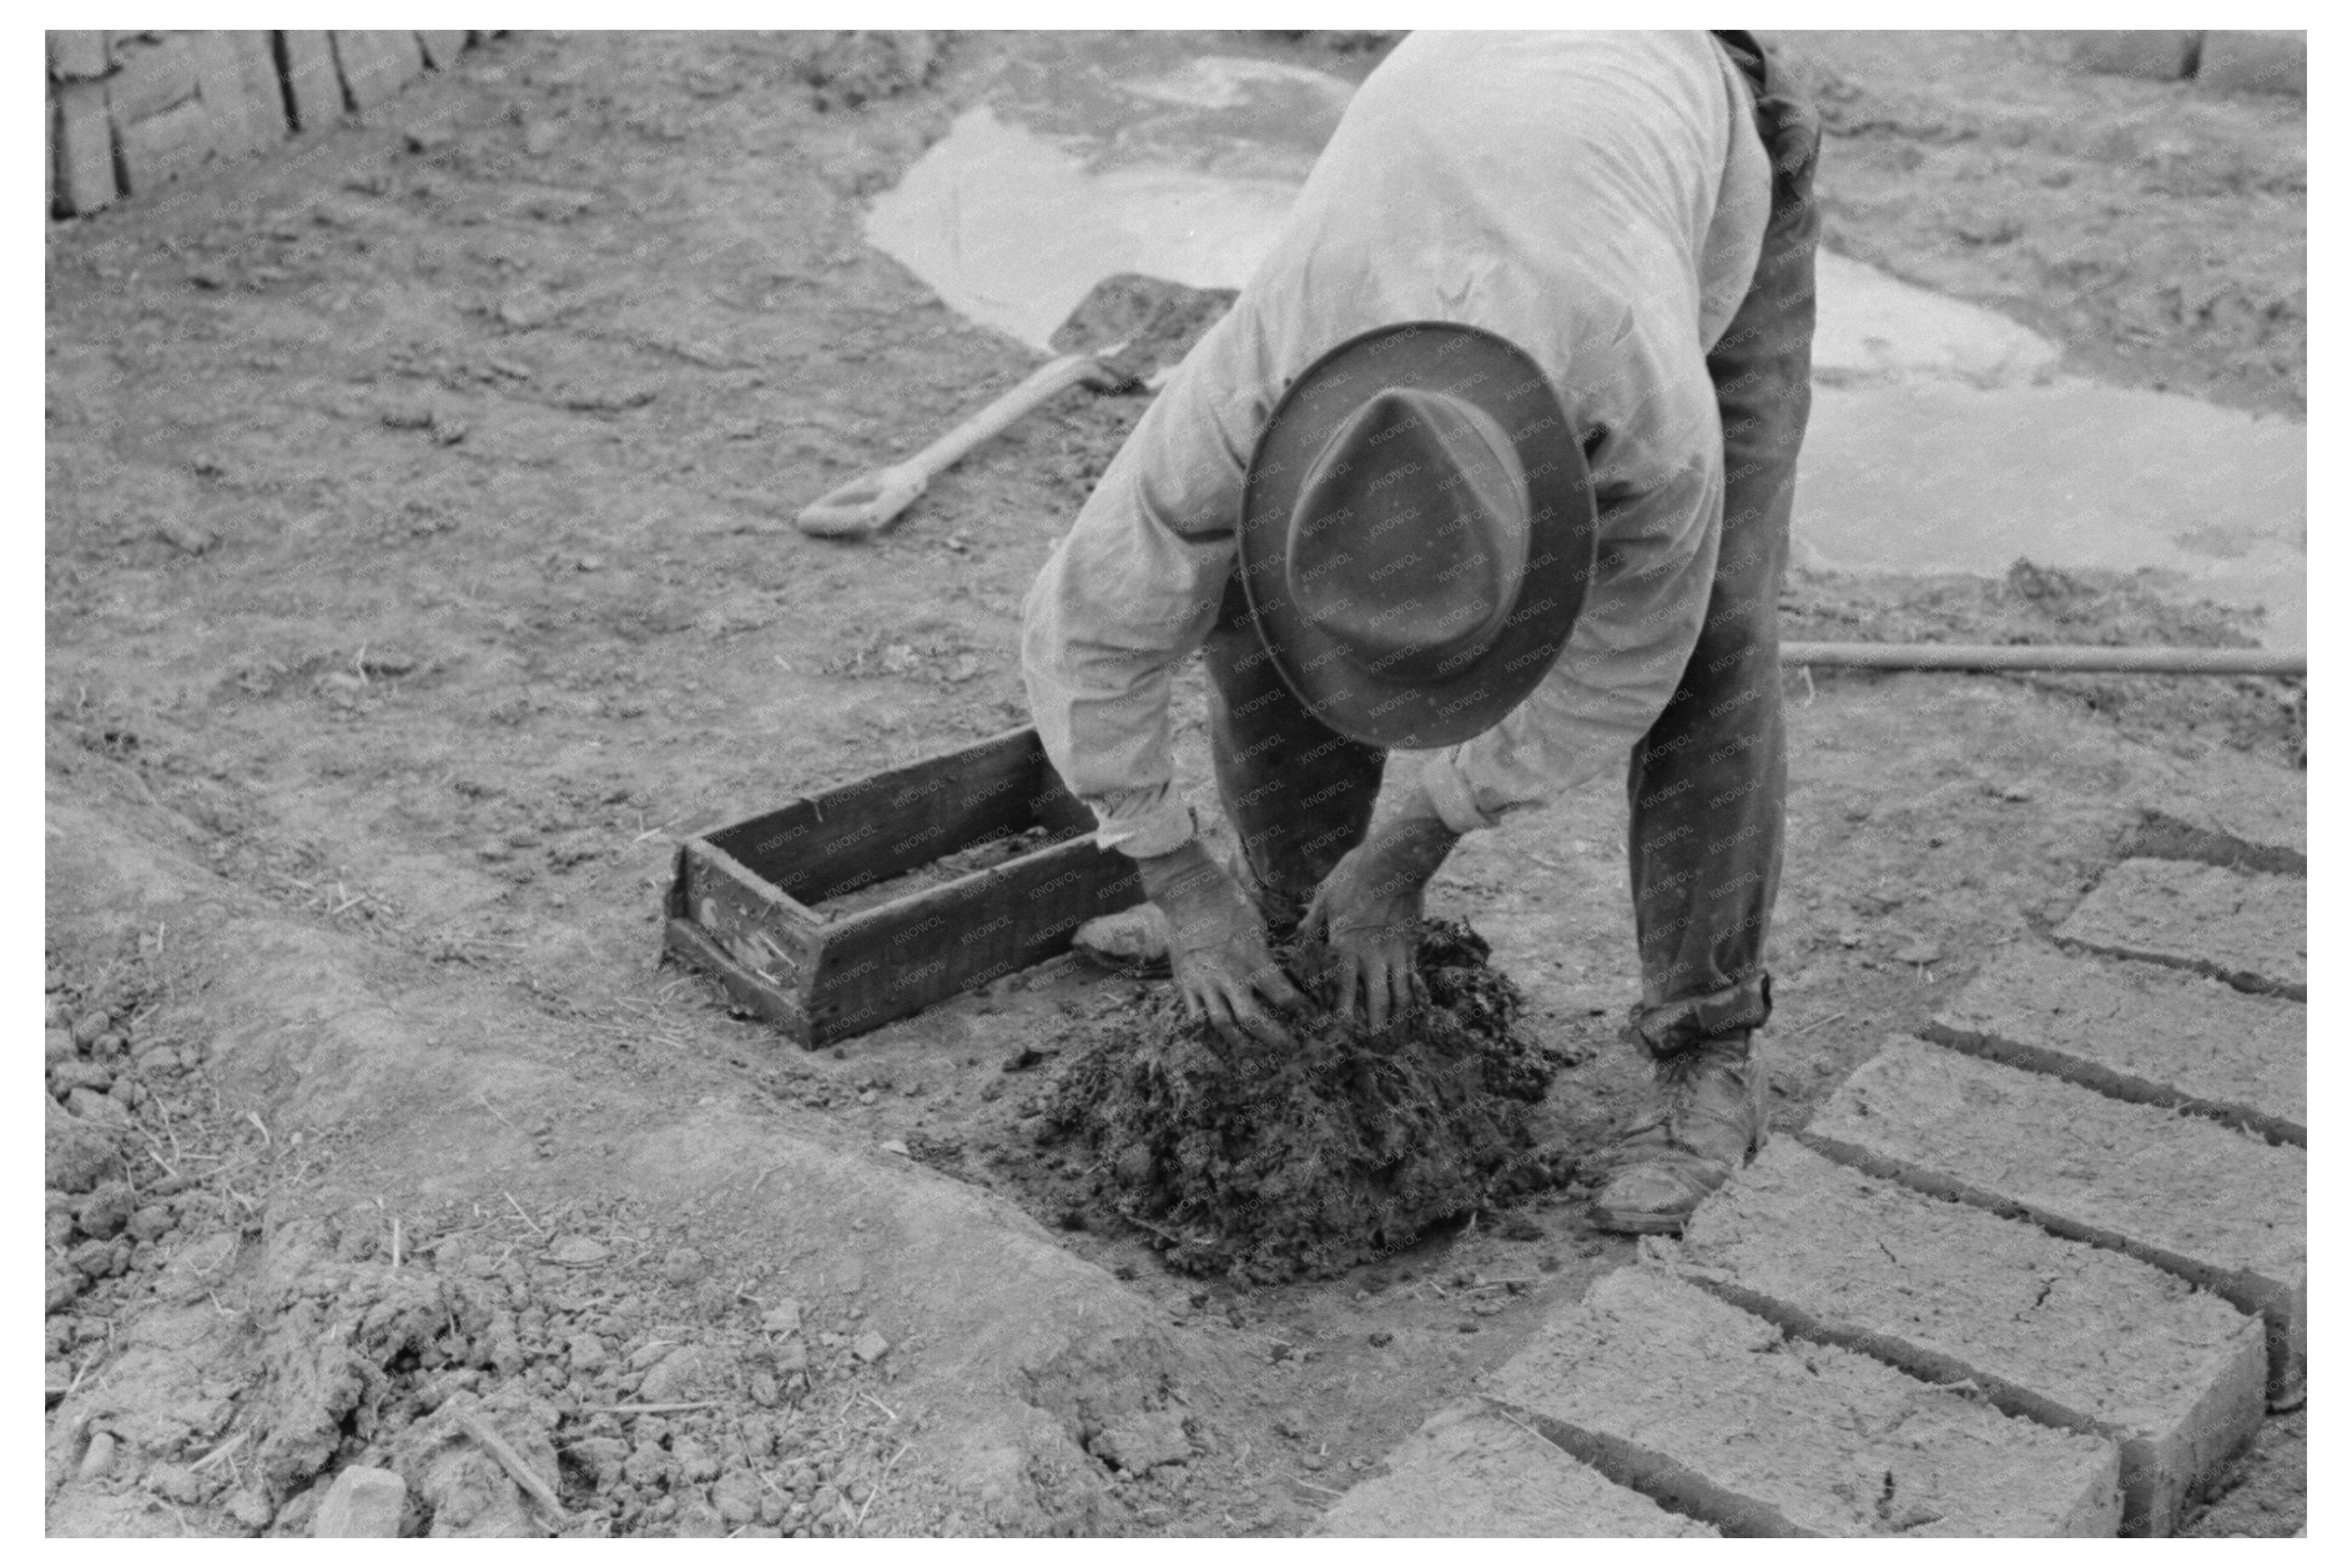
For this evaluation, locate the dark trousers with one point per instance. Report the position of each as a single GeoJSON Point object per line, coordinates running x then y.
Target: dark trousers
{"type": "Point", "coordinates": [1708, 784]}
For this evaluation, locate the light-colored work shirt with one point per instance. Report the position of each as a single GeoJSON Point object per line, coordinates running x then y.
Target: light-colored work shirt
{"type": "Point", "coordinates": [1598, 199]}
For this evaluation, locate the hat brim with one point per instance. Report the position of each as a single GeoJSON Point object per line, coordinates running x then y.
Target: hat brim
{"type": "Point", "coordinates": [1490, 371]}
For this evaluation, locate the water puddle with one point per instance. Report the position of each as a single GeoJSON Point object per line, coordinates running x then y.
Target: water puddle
{"type": "Point", "coordinates": [1942, 441]}
{"type": "Point", "coordinates": [1106, 156]}
{"type": "Point", "coordinates": [1870, 326]}
{"type": "Point", "coordinates": [1934, 475]}
{"type": "Point", "coordinates": [1012, 228]}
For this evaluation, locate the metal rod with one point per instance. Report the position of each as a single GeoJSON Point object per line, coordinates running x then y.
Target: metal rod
{"type": "Point", "coordinates": [2075, 656]}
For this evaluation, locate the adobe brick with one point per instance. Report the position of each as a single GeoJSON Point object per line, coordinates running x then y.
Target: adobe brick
{"type": "Point", "coordinates": [1716, 1413]}
{"type": "Point", "coordinates": [2246, 927]}
{"type": "Point", "coordinates": [2217, 1206]}
{"type": "Point", "coordinates": [2138, 1031]}
{"type": "Point", "coordinates": [1474, 1470]}
{"type": "Point", "coordinates": [2054, 1329]}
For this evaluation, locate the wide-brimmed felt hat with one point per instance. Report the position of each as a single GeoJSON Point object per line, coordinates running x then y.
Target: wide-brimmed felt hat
{"type": "Point", "coordinates": [1416, 533]}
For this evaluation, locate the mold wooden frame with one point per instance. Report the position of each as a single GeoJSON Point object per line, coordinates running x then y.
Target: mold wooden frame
{"type": "Point", "coordinates": [741, 901]}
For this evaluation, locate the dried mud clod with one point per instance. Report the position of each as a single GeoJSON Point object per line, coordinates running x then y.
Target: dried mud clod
{"type": "Point", "coordinates": [1267, 1164]}
{"type": "Point", "coordinates": [850, 70]}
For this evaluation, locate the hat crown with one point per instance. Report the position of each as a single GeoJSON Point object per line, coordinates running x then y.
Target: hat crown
{"type": "Point", "coordinates": [1407, 540]}
{"type": "Point", "coordinates": [1417, 529]}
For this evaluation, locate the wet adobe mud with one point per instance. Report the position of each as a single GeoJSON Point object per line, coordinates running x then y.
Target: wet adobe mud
{"type": "Point", "coordinates": [1265, 1165]}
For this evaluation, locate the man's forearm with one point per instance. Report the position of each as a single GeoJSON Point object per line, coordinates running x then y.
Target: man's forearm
{"type": "Point", "coordinates": [1133, 588]}
{"type": "Point", "coordinates": [1413, 841]}
{"type": "Point", "coordinates": [1170, 879]}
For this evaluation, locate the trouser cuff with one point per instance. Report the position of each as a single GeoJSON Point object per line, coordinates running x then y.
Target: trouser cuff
{"type": "Point", "coordinates": [1675, 1026]}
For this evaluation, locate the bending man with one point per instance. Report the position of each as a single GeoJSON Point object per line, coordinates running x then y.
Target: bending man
{"type": "Point", "coordinates": [1491, 462]}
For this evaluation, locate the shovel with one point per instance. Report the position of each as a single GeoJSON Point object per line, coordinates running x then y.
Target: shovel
{"type": "Point", "coordinates": [1156, 322]}
{"type": "Point", "coordinates": [872, 501]}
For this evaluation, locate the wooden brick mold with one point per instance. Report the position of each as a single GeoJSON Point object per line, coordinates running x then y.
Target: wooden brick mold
{"type": "Point", "coordinates": [747, 902]}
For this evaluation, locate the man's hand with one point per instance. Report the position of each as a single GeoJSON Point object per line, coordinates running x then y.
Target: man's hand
{"type": "Point", "coordinates": [1368, 911]}
{"type": "Point", "coordinates": [1216, 946]}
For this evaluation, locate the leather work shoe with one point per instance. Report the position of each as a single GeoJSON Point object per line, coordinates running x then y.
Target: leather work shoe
{"type": "Point", "coordinates": [1133, 941]}
{"type": "Point", "coordinates": [1712, 1123]}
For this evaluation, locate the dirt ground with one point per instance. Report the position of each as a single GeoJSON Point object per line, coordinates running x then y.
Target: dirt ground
{"type": "Point", "coordinates": [418, 570]}
{"type": "Point", "coordinates": [2155, 231]}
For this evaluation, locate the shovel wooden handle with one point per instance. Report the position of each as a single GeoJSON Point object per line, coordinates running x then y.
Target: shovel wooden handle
{"type": "Point", "coordinates": [2143, 659]}
{"type": "Point", "coordinates": [872, 501]}
{"type": "Point", "coordinates": [866, 505]}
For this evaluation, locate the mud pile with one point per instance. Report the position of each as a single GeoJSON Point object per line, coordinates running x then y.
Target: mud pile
{"type": "Point", "coordinates": [1267, 1164]}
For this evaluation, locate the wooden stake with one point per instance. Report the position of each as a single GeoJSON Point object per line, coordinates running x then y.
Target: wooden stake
{"type": "Point", "coordinates": [526, 1219]}
{"type": "Point", "coordinates": [499, 1449]}
{"type": "Point", "coordinates": [876, 1490]}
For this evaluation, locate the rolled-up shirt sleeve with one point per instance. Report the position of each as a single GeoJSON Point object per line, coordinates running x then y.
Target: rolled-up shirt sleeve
{"type": "Point", "coordinates": [1633, 639]}
{"type": "Point", "coordinates": [1134, 587]}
